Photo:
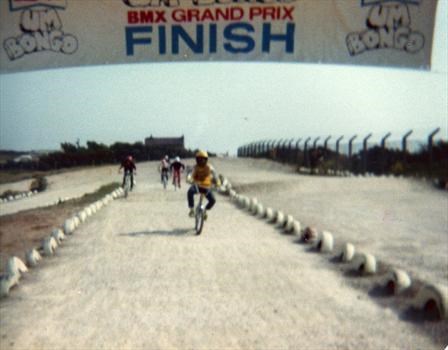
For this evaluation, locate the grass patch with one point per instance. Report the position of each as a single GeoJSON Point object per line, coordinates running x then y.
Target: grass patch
{"type": "Point", "coordinates": [98, 194]}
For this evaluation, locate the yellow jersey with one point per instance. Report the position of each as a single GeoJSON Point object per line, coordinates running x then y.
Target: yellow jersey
{"type": "Point", "coordinates": [204, 176]}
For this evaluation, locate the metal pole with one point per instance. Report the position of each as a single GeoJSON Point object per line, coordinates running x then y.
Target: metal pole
{"type": "Point", "coordinates": [337, 151]}
{"type": "Point", "coordinates": [364, 167]}
{"type": "Point", "coordinates": [430, 144]}
{"type": "Point", "coordinates": [383, 151]}
{"type": "Point", "coordinates": [298, 150]}
{"type": "Point", "coordinates": [305, 152]}
{"type": "Point", "coordinates": [315, 142]}
{"type": "Point", "coordinates": [350, 149]}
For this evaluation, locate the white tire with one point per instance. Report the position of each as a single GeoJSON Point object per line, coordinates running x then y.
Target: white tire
{"type": "Point", "coordinates": [88, 211]}
{"type": "Point", "coordinates": [280, 219]}
{"type": "Point", "coordinates": [297, 227]}
{"type": "Point", "coordinates": [289, 225]}
{"type": "Point", "coordinates": [82, 215]}
{"type": "Point", "coordinates": [432, 298]}
{"type": "Point", "coordinates": [6, 283]}
{"type": "Point", "coordinates": [32, 257]}
{"type": "Point", "coordinates": [58, 235]}
{"type": "Point", "coordinates": [260, 211]}
{"type": "Point", "coordinates": [69, 226]}
{"type": "Point", "coordinates": [246, 203]}
{"type": "Point", "coordinates": [49, 246]}
{"type": "Point", "coordinates": [15, 267]}
{"type": "Point", "coordinates": [325, 243]}
{"type": "Point", "coordinates": [347, 253]}
{"type": "Point", "coordinates": [366, 264]}
{"type": "Point", "coordinates": [252, 203]}
{"type": "Point", "coordinates": [397, 281]}
{"type": "Point", "coordinates": [269, 214]}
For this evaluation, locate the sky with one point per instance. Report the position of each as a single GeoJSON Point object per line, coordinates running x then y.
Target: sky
{"type": "Point", "coordinates": [221, 106]}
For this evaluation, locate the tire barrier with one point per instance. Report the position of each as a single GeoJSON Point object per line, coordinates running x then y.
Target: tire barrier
{"type": "Point", "coordinates": [325, 242]}
{"type": "Point", "coordinates": [297, 229]}
{"type": "Point", "coordinates": [260, 211]}
{"type": "Point", "coordinates": [280, 219]}
{"type": "Point", "coordinates": [252, 205]}
{"type": "Point", "coordinates": [289, 224]}
{"type": "Point", "coordinates": [433, 301]}
{"type": "Point", "coordinates": [15, 267]}
{"type": "Point", "coordinates": [58, 235]}
{"type": "Point", "coordinates": [365, 264]}
{"type": "Point", "coordinates": [48, 246]}
{"type": "Point", "coordinates": [32, 257]}
{"type": "Point", "coordinates": [69, 226]}
{"type": "Point", "coordinates": [6, 283]}
{"type": "Point", "coordinates": [270, 215]}
{"type": "Point", "coordinates": [348, 253]}
{"type": "Point", "coordinates": [396, 281]}
{"type": "Point", "coordinates": [22, 195]}
{"type": "Point", "coordinates": [82, 215]}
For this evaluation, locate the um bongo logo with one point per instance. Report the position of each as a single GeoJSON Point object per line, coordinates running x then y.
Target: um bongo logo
{"type": "Point", "coordinates": [388, 27]}
{"type": "Point", "coordinates": [41, 29]}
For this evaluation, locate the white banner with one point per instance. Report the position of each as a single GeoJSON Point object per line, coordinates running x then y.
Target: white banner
{"type": "Point", "coordinates": [43, 34]}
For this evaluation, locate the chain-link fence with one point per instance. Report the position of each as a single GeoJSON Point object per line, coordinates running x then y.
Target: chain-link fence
{"type": "Point", "coordinates": [357, 155]}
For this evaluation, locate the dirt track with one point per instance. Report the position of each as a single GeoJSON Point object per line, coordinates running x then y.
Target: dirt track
{"type": "Point", "coordinates": [135, 276]}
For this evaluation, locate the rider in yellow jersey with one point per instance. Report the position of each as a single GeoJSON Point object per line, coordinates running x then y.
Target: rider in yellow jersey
{"type": "Point", "coordinates": [202, 178]}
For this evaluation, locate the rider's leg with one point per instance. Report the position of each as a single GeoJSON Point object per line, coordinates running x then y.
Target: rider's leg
{"type": "Point", "coordinates": [190, 196]}
{"type": "Point", "coordinates": [211, 200]}
{"type": "Point", "coordinates": [124, 177]}
{"type": "Point", "coordinates": [132, 180]}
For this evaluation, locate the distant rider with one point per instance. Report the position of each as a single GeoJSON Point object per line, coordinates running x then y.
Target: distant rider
{"type": "Point", "coordinates": [202, 177]}
{"type": "Point", "coordinates": [129, 167]}
{"type": "Point", "coordinates": [177, 167]}
{"type": "Point", "coordinates": [164, 167]}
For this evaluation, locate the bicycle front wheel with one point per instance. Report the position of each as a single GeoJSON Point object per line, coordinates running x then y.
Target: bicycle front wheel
{"type": "Point", "coordinates": [199, 221]}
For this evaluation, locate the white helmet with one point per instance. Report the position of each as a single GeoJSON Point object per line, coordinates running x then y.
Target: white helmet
{"type": "Point", "coordinates": [177, 159]}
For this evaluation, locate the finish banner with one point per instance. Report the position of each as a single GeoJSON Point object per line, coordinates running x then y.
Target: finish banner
{"type": "Point", "coordinates": [45, 34]}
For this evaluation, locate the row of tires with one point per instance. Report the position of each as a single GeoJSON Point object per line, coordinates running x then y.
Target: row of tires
{"type": "Point", "coordinates": [18, 196]}
{"type": "Point", "coordinates": [15, 267]}
{"type": "Point", "coordinates": [430, 298]}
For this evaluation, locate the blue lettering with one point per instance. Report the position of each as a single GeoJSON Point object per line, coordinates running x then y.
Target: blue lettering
{"type": "Point", "coordinates": [288, 38]}
{"type": "Point", "coordinates": [180, 32]}
{"type": "Point", "coordinates": [131, 40]}
{"type": "Point", "coordinates": [229, 33]}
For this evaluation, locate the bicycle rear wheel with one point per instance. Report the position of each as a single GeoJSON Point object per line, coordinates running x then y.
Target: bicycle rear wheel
{"type": "Point", "coordinates": [127, 185]}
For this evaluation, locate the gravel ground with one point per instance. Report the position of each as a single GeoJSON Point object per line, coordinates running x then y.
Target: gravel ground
{"type": "Point", "coordinates": [135, 275]}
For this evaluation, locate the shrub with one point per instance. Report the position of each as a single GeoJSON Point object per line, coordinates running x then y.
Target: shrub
{"type": "Point", "coordinates": [39, 184]}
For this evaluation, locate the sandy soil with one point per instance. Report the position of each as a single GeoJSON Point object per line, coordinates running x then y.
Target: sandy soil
{"type": "Point", "coordinates": [135, 276]}
{"type": "Point", "coordinates": [60, 186]}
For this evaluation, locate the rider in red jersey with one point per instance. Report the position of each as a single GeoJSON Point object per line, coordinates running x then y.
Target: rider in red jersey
{"type": "Point", "coordinates": [129, 167]}
{"type": "Point", "coordinates": [177, 167]}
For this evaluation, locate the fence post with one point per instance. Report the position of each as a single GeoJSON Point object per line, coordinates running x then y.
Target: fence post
{"type": "Point", "coordinates": [383, 151]}
{"type": "Point", "coordinates": [364, 166]}
{"type": "Point", "coordinates": [290, 153]}
{"type": "Point", "coordinates": [337, 152]}
{"type": "Point", "coordinates": [350, 150]}
{"type": "Point", "coordinates": [305, 152]}
{"type": "Point", "coordinates": [404, 144]}
{"type": "Point", "coordinates": [430, 144]}
{"type": "Point", "coordinates": [298, 150]}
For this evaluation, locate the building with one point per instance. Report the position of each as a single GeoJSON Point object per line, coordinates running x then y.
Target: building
{"type": "Point", "coordinates": [171, 143]}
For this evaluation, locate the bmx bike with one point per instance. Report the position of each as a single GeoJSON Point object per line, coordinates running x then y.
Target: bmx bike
{"type": "Point", "coordinates": [199, 214]}
{"type": "Point", "coordinates": [164, 178]}
{"type": "Point", "coordinates": [127, 183]}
